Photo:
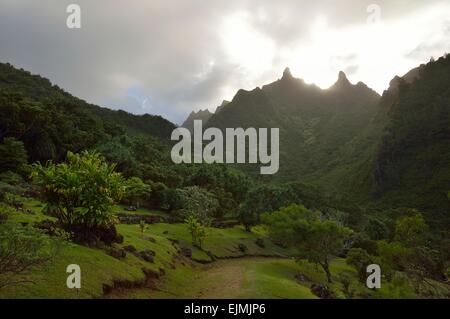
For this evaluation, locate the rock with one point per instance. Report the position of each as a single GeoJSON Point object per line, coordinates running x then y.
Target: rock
{"type": "Point", "coordinates": [211, 255]}
{"type": "Point", "coordinates": [322, 291]}
{"type": "Point", "coordinates": [260, 242]}
{"type": "Point", "coordinates": [302, 277]}
{"type": "Point", "coordinates": [130, 248]}
{"type": "Point", "coordinates": [185, 251]}
{"type": "Point", "coordinates": [107, 289]}
{"type": "Point", "coordinates": [83, 235]}
{"type": "Point", "coordinates": [147, 255]}
{"type": "Point", "coordinates": [131, 208]}
{"type": "Point", "coordinates": [99, 244]}
{"type": "Point", "coordinates": [117, 253]}
{"type": "Point", "coordinates": [225, 223]}
{"type": "Point", "coordinates": [47, 226]}
{"type": "Point", "coordinates": [150, 239]}
{"type": "Point", "coordinates": [242, 248]}
{"type": "Point", "coordinates": [150, 273]}
{"type": "Point", "coordinates": [125, 218]}
{"type": "Point", "coordinates": [119, 239]}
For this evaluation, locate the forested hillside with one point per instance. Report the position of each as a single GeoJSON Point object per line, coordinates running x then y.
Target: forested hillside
{"type": "Point", "coordinates": [412, 163]}
{"type": "Point", "coordinates": [363, 179]}
{"type": "Point", "coordinates": [355, 145]}
{"type": "Point", "coordinates": [50, 121]}
{"type": "Point", "coordinates": [314, 123]}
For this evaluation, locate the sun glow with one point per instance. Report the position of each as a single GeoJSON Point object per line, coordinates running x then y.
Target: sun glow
{"type": "Point", "coordinates": [245, 46]}
{"type": "Point", "coordinates": [370, 52]}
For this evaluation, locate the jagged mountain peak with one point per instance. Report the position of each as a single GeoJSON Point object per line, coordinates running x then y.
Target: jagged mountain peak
{"type": "Point", "coordinates": [287, 74]}
{"type": "Point", "coordinates": [342, 80]}
{"type": "Point", "coordinates": [203, 115]}
{"type": "Point", "coordinates": [221, 106]}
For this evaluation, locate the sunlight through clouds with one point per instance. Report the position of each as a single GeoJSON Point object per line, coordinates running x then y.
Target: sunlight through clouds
{"type": "Point", "coordinates": [191, 55]}
{"type": "Point", "coordinates": [372, 53]}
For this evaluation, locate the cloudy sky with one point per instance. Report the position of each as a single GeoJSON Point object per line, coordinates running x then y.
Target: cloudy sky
{"type": "Point", "coordinates": [170, 57]}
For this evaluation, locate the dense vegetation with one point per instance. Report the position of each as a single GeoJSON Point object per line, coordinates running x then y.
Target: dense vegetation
{"type": "Point", "coordinates": [363, 180]}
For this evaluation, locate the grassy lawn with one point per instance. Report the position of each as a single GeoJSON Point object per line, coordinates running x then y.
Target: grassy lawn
{"type": "Point", "coordinates": [233, 272]}
{"type": "Point", "coordinates": [222, 243]}
{"type": "Point", "coordinates": [249, 277]}
{"type": "Point", "coordinates": [98, 268]}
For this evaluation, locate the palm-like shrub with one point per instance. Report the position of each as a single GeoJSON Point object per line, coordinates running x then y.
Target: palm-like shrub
{"type": "Point", "coordinates": [82, 191]}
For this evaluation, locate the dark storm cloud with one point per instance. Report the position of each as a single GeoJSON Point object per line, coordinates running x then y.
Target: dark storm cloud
{"type": "Point", "coordinates": [160, 57]}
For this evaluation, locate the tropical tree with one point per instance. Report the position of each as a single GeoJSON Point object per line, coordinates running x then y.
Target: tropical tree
{"type": "Point", "coordinates": [82, 191]}
{"type": "Point", "coordinates": [12, 154]}
{"type": "Point", "coordinates": [360, 259]}
{"type": "Point", "coordinates": [199, 203]}
{"type": "Point", "coordinates": [265, 198]}
{"type": "Point", "coordinates": [317, 240]}
{"type": "Point", "coordinates": [411, 230]}
{"type": "Point", "coordinates": [197, 230]}
{"type": "Point", "coordinates": [136, 189]}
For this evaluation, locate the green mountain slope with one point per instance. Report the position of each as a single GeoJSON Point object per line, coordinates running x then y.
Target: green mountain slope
{"type": "Point", "coordinates": [314, 124]}
{"type": "Point", "coordinates": [393, 150]}
{"type": "Point", "coordinates": [50, 121]}
{"type": "Point", "coordinates": [412, 164]}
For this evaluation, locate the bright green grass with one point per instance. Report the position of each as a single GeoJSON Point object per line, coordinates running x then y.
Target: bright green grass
{"type": "Point", "coordinates": [248, 277]}
{"type": "Point", "coordinates": [236, 274]}
{"type": "Point", "coordinates": [98, 268]}
{"type": "Point", "coordinates": [222, 243]}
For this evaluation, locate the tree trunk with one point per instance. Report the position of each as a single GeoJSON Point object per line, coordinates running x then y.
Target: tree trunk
{"type": "Point", "coordinates": [326, 268]}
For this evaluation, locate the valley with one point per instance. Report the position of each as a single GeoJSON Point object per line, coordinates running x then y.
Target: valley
{"type": "Point", "coordinates": [363, 179]}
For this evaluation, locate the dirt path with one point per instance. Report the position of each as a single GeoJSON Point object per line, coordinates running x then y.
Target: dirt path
{"type": "Point", "coordinates": [224, 279]}
{"type": "Point", "coordinates": [248, 277]}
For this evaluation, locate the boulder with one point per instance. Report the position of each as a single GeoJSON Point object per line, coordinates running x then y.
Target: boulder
{"type": "Point", "coordinates": [322, 291]}
{"type": "Point", "coordinates": [107, 289]}
{"type": "Point", "coordinates": [150, 239]}
{"type": "Point", "coordinates": [302, 277]}
{"type": "Point", "coordinates": [242, 248]}
{"type": "Point", "coordinates": [185, 251]}
{"type": "Point", "coordinates": [119, 239]}
{"type": "Point", "coordinates": [47, 226]}
{"type": "Point", "coordinates": [147, 255]}
{"type": "Point", "coordinates": [150, 273]}
{"type": "Point", "coordinates": [117, 253]}
{"type": "Point", "coordinates": [130, 248]}
{"type": "Point", "coordinates": [260, 242]}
